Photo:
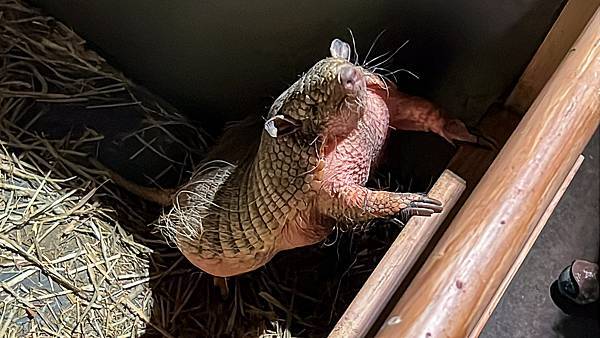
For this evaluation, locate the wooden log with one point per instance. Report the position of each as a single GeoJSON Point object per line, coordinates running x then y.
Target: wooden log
{"type": "Point", "coordinates": [471, 161]}
{"type": "Point", "coordinates": [526, 248]}
{"type": "Point", "coordinates": [458, 281]}
{"type": "Point", "coordinates": [397, 262]}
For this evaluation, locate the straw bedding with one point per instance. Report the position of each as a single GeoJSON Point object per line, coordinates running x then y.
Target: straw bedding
{"type": "Point", "coordinates": [81, 258]}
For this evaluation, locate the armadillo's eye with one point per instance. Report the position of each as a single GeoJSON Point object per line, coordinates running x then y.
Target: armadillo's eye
{"type": "Point", "coordinates": [280, 125]}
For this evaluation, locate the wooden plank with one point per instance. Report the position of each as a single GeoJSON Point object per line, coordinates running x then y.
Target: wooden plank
{"type": "Point", "coordinates": [525, 251]}
{"type": "Point", "coordinates": [397, 262]}
{"type": "Point", "coordinates": [553, 49]}
{"type": "Point", "coordinates": [458, 281]}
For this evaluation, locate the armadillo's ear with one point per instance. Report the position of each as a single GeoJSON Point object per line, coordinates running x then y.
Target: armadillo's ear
{"type": "Point", "coordinates": [340, 49]}
{"type": "Point", "coordinates": [280, 125]}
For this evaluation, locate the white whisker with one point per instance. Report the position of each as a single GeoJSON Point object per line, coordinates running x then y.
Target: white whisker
{"type": "Point", "coordinates": [373, 46]}
{"type": "Point", "coordinates": [391, 56]}
{"type": "Point", "coordinates": [354, 47]}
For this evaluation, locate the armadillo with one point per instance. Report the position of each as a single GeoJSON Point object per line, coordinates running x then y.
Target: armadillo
{"type": "Point", "coordinates": [306, 174]}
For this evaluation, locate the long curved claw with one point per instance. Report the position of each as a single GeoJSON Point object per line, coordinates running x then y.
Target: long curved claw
{"type": "Point", "coordinates": [456, 130]}
{"type": "Point", "coordinates": [429, 200]}
{"type": "Point", "coordinates": [482, 140]}
{"type": "Point", "coordinates": [417, 212]}
{"type": "Point", "coordinates": [428, 206]}
{"type": "Point", "coordinates": [425, 206]}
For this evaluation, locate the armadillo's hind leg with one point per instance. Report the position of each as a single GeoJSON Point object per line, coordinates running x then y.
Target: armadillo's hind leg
{"type": "Point", "coordinates": [163, 197]}
{"type": "Point", "coordinates": [455, 130]}
{"type": "Point", "coordinates": [417, 114]}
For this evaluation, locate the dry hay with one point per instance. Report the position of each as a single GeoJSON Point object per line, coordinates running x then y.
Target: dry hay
{"type": "Point", "coordinates": [79, 257]}
{"type": "Point", "coordinates": [68, 269]}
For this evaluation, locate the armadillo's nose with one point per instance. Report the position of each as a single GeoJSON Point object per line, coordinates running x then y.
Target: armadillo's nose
{"type": "Point", "coordinates": [351, 77]}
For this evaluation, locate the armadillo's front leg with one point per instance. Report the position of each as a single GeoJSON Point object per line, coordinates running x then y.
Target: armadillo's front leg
{"type": "Point", "coordinates": [357, 203]}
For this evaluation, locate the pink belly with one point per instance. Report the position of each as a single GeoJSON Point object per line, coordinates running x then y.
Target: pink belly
{"type": "Point", "coordinates": [349, 160]}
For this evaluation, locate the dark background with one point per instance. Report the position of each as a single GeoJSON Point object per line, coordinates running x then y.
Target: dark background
{"type": "Point", "coordinates": [224, 60]}
{"type": "Point", "coordinates": [219, 60]}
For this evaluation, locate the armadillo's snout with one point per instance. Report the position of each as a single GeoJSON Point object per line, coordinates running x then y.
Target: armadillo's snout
{"type": "Point", "coordinates": [352, 78]}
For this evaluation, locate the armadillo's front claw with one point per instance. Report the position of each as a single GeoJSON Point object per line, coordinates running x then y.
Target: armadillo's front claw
{"type": "Point", "coordinates": [408, 212]}
{"type": "Point", "coordinates": [482, 140]}
{"type": "Point", "coordinates": [425, 206]}
{"type": "Point", "coordinates": [429, 200]}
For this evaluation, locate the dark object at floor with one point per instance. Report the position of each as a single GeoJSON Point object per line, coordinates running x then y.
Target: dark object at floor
{"type": "Point", "coordinates": [575, 292]}
{"type": "Point", "coordinates": [579, 282]}
{"type": "Point", "coordinates": [570, 308]}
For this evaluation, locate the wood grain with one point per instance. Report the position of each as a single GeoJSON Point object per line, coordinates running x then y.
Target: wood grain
{"type": "Point", "coordinates": [526, 248]}
{"type": "Point", "coordinates": [458, 281]}
{"type": "Point", "coordinates": [397, 262]}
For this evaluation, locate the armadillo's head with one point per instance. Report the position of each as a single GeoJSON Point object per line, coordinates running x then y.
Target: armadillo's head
{"type": "Point", "coordinates": [325, 100]}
